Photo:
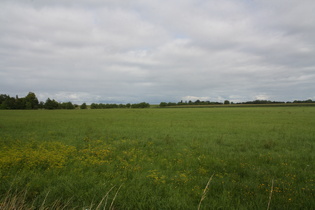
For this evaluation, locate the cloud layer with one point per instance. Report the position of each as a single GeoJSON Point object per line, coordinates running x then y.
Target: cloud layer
{"type": "Point", "coordinates": [153, 51]}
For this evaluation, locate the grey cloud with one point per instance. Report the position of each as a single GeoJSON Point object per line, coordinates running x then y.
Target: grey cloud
{"type": "Point", "coordinates": [157, 50]}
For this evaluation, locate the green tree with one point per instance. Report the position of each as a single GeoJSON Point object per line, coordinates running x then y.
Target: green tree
{"type": "Point", "coordinates": [163, 104]}
{"type": "Point", "coordinates": [67, 105]}
{"type": "Point", "coordinates": [41, 105]}
{"type": "Point", "coordinates": [171, 104]}
{"type": "Point", "coordinates": [2, 98]}
{"type": "Point", "coordinates": [20, 103]}
{"type": "Point", "coordinates": [31, 101]}
{"type": "Point", "coordinates": [226, 102]}
{"type": "Point", "coordinates": [94, 106]}
{"type": "Point", "coordinates": [83, 106]}
{"type": "Point", "coordinates": [51, 104]}
{"type": "Point", "coordinates": [140, 105]}
{"type": "Point", "coordinates": [28, 105]}
{"type": "Point", "coordinates": [8, 103]}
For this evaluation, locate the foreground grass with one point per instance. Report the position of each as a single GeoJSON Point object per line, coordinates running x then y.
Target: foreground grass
{"type": "Point", "coordinates": [160, 158]}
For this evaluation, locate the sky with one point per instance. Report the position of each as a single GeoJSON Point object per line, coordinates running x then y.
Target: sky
{"type": "Point", "coordinates": [114, 51]}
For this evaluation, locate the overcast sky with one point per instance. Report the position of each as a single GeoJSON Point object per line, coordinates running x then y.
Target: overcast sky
{"type": "Point", "coordinates": [115, 51]}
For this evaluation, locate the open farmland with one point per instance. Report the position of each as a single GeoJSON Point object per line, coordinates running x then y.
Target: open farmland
{"type": "Point", "coordinates": [159, 158]}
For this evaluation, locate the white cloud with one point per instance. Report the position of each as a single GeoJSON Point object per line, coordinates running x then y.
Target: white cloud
{"type": "Point", "coordinates": [262, 97]}
{"type": "Point", "coordinates": [194, 98]}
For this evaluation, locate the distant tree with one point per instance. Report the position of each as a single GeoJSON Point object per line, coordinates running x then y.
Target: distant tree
{"type": "Point", "coordinates": [182, 103]}
{"type": "Point", "coordinates": [309, 101]}
{"type": "Point", "coordinates": [83, 106]}
{"type": "Point", "coordinates": [144, 105]}
{"type": "Point", "coordinates": [171, 104]}
{"type": "Point", "coordinates": [163, 104]}
{"type": "Point", "coordinates": [305, 101]}
{"type": "Point", "coordinates": [20, 103]}
{"type": "Point", "coordinates": [70, 105]}
{"type": "Point", "coordinates": [67, 105]}
{"type": "Point", "coordinates": [28, 105]}
{"type": "Point", "coordinates": [9, 103]}
{"type": "Point", "coordinates": [41, 105]}
{"type": "Point", "coordinates": [3, 101]}
{"type": "Point", "coordinates": [140, 105]}
{"type": "Point", "coordinates": [94, 106]}
{"type": "Point", "coordinates": [51, 104]}
{"type": "Point", "coordinates": [3, 97]}
{"type": "Point", "coordinates": [226, 102]}
{"type": "Point", "coordinates": [111, 106]}
{"type": "Point", "coordinates": [121, 106]}
{"type": "Point", "coordinates": [31, 101]}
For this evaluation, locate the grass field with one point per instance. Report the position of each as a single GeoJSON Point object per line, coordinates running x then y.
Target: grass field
{"type": "Point", "coordinates": [257, 158]}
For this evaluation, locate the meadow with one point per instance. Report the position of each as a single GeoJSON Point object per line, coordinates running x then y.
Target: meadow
{"type": "Point", "coordinates": [176, 158]}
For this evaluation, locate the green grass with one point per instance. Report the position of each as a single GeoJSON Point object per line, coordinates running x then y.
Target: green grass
{"type": "Point", "coordinates": [160, 158]}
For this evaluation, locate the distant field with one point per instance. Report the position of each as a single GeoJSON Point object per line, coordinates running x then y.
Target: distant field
{"type": "Point", "coordinates": [159, 158]}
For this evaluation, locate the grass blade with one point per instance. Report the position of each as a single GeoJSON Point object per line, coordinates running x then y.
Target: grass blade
{"type": "Point", "coordinates": [205, 191]}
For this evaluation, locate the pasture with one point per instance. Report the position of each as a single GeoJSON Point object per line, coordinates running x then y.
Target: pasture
{"type": "Point", "coordinates": [254, 158]}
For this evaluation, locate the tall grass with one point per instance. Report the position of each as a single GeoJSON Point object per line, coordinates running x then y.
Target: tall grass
{"type": "Point", "coordinates": [16, 200]}
{"type": "Point", "coordinates": [161, 158]}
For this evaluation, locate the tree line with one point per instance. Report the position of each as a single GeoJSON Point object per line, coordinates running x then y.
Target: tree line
{"type": "Point", "coordinates": [111, 106]}
{"type": "Point", "coordinates": [181, 103]}
{"type": "Point", "coordinates": [198, 102]}
{"type": "Point", "coordinates": [31, 102]}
